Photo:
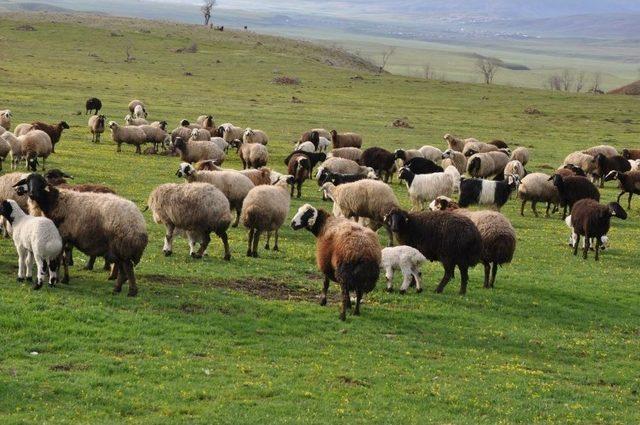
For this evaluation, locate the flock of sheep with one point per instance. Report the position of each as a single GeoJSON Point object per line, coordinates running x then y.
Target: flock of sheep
{"type": "Point", "coordinates": [63, 216]}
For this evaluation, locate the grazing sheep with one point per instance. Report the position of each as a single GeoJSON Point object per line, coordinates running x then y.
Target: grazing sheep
{"type": "Point", "coordinates": [15, 146]}
{"type": "Point", "coordinates": [582, 160]}
{"type": "Point", "coordinates": [573, 239]}
{"type": "Point", "coordinates": [628, 182]}
{"type": "Point", "coordinates": [314, 157]}
{"type": "Point", "coordinates": [196, 208]}
{"type": "Point", "coordinates": [22, 129]}
{"type": "Point", "coordinates": [536, 187]}
{"type": "Point", "coordinates": [337, 179]}
{"type": "Point", "coordinates": [487, 165]}
{"type": "Point", "coordinates": [220, 143]}
{"type": "Point", "coordinates": [345, 140]}
{"type": "Point", "coordinates": [367, 198]}
{"type": "Point", "coordinates": [627, 153]}
{"type": "Point", "coordinates": [189, 125]}
{"type": "Point", "coordinates": [500, 144]}
{"type": "Point", "coordinates": [354, 154]}
{"type": "Point", "coordinates": [156, 136]}
{"type": "Point", "coordinates": [443, 203]}
{"type": "Point", "coordinates": [93, 105]}
{"type": "Point", "coordinates": [5, 119]}
{"type": "Point", "coordinates": [5, 150]}
{"type": "Point", "coordinates": [206, 122]}
{"type": "Point", "coordinates": [406, 259]}
{"type": "Point", "coordinates": [128, 134]}
{"type": "Point", "coordinates": [455, 158]}
{"type": "Point", "coordinates": [515, 167]}
{"type": "Point", "coordinates": [264, 210]}
{"type": "Point", "coordinates": [472, 148]}
{"type": "Point", "coordinates": [196, 150]}
{"type": "Point", "coordinates": [160, 124]}
{"type": "Point", "coordinates": [258, 176]}
{"type": "Point", "coordinates": [432, 153]}
{"type": "Point", "coordinates": [591, 219]}
{"type": "Point", "coordinates": [137, 109]}
{"type": "Point", "coordinates": [87, 221]}
{"type": "Point", "coordinates": [54, 131]}
{"type": "Point", "coordinates": [520, 154]}
{"type": "Point", "coordinates": [300, 168]}
{"type": "Point", "coordinates": [604, 165]}
{"type": "Point", "coordinates": [307, 135]}
{"type": "Point", "coordinates": [96, 127]}
{"type": "Point", "coordinates": [233, 184]}
{"type": "Point", "coordinates": [419, 165]}
{"type": "Point", "coordinates": [36, 239]}
{"type": "Point", "coordinates": [605, 150]}
{"type": "Point", "coordinates": [200, 134]}
{"type": "Point", "coordinates": [323, 144]}
{"type": "Point", "coordinates": [487, 192]}
{"type": "Point", "coordinates": [345, 166]}
{"type": "Point", "coordinates": [346, 253]}
{"type": "Point", "coordinates": [181, 132]}
{"type": "Point", "coordinates": [230, 132]}
{"type": "Point", "coordinates": [381, 160]}
{"type": "Point", "coordinates": [131, 120]}
{"type": "Point", "coordinates": [255, 136]}
{"type": "Point", "coordinates": [424, 188]}
{"type": "Point", "coordinates": [573, 189]}
{"type": "Point", "coordinates": [449, 238]}
{"type": "Point", "coordinates": [35, 144]}
{"type": "Point", "coordinates": [570, 170]}
{"type": "Point", "coordinates": [252, 155]}
{"type": "Point", "coordinates": [403, 155]}
{"type": "Point", "coordinates": [7, 191]}
{"type": "Point", "coordinates": [305, 147]}
{"type": "Point", "coordinates": [458, 144]}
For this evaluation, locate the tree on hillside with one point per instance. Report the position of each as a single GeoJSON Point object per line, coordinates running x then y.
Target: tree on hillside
{"type": "Point", "coordinates": [595, 86]}
{"type": "Point", "coordinates": [487, 69]}
{"type": "Point", "coordinates": [386, 55]}
{"type": "Point", "coordinates": [207, 10]}
{"type": "Point", "coordinates": [580, 81]}
{"type": "Point", "coordinates": [567, 79]}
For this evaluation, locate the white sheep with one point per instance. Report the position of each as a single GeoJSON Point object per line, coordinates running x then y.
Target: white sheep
{"type": "Point", "coordinates": [220, 143]}
{"type": "Point", "coordinates": [131, 120]}
{"type": "Point", "coordinates": [424, 188]}
{"type": "Point", "coordinates": [5, 119]}
{"type": "Point", "coordinates": [305, 147]}
{"type": "Point", "coordinates": [35, 144]}
{"type": "Point", "coordinates": [255, 136]}
{"type": "Point", "coordinates": [406, 259]}
{"type": "Point", "coordinates": [36, 239]}
{"type": "Point", "coordinates": [127, 134]}
{"type": "Point", "coordinates": [514, 167]}
{"type": "Point", "coordinates": [200, 134]}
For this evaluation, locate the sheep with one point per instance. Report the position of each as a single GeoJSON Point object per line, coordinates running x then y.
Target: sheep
{"type": "Point", "coordinates": [419, 165]}
{"type": "Point", "coordinates": [455, 158]}
{"type": "Point", "coordinates": [181, 132]}
{"type": "Point", "coordinates": [404, 155]}
{"type": "Point", "coordinates": [200, 134]}
{"type": "Point", "coordinates": [500, 144]}
{"type": "Point", "coordinates": [487, 165]}
{"type": "Point", "coordinates": [128, 134]}
{"type": "Point", "coordinates": [514, 167]}
{"type": "Point", "coordinates": [570, 170]}
{"type": "Point", "coordinates": [472, 148]}
{"type": "Point", "coordinates": [252, 155]}
{"type": "Point", "coordinates": [53, 130]}
{"type": "Point", "coordinates": [137, 109]}
{"type": "Point", "coordinates": [220, 143]}
{"type": "Point", "coordinates": [96, 127]}
{"type": "Point", "coordinates": [258, 176]}
{"type": "Point", "coordinates": [605, 150]}
{"type": "Point", "coordinates": [381, 160]}
{"type": "Point", "coordinates": [406, 259]}
{"type": "Point", "coordinates": [345, 140]}
{"type": "Point", "coordinates": [354, 154]}
{"type": "Point", "coordinates": [300, 168]}
{"type": "Point", "coordinates": [22, 129]}
{"type": "Point", "coordinates": [573, 239]}
{"type": "Point", "coordinates": [230, 132]}
{"type": "Point", "coordinates": [633, 163]}
{"type": "Point", "coordinates": [15, 146]}
{"type": "Point", "coordinates": [346, 253]}
{"type": "Point", "coordinates": [206, 122]}
{"type": "Point", "coordinates": [536, 187]}
{"type": "Point", "coordinates": [314, 157]}
{"type": "Point", "coordinates": [443, 203]}
{"type": "Point", "coordinates": [582, 160]}
{"type": "Point", "coordinates": [429, 152]}
{"type": "Point", "coordinates": [604, 165]}
{"type": "Point", "coordinates": [367, 198]}
{"type": "Point", "coordinates": [626, 153]}
{"type": "Point", "coordinates": [5, 150]}
{"type": "Point", "coordinates": [36, 239]}
{"type": "Point", "coordinates": [160, 124]}
{"type": "Point", "coordinates": [628, 182]}
{"type": "Point", "coordinates": [196, 150]}
{"type": "Point", "coordinates": [5, 119]}
{"type": "Point", "coordinates": [7, 191]}
{"type": "Point", "coordinates": [457, 144]}
{"type": "Point", "coordinates": [487, 192]}
{"type": "Point", "coordinates": [306, 136]}
{"type": "Point", "coordinates": [573, 189]}
{"type": "Point", "coordinates": [196, 208]}
{"type": "Point", "coordinates": [88, 222]}
{"type": "Point", "coordinates": [255, 136]}
{"type": "Point", "coordinates": [337, 179]}
{"type": "Point", "coordinates": [591, 219]}
{"type": "Point", "coordinates": [305, 147]}
{"type": "Point", "coordinates": [189, 125]}
{"type": "Point", "coordinates": [520, 154]}
{"type": "Point", "coordinates": [233, 184]}
{"type": "Point", "coordinates": [345, 166]}
{"type": "Point", "coordinates": [156, 136]}
{"type": "Point", "coordinates": [35, 144]}
{"type": "Point", "coordinates": [452, 239]}
{"type": "Point", "coordinates": [264, 210]}
{"type": "Point", "coordinates": [323, 144]}
{"type": "Point", "coordinates": [424, 188]}
{"type": "Point", "coordinates": [92, 104]}
{"type": "Point", "coordinates": [131, 120]}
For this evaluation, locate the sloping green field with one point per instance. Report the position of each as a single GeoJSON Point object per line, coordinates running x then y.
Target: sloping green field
{"type": "Point", "coordinates": [209, 341]}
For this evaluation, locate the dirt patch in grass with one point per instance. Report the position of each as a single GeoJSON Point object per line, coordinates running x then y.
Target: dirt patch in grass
{"type": "Point", "coordinates": [67, 367]}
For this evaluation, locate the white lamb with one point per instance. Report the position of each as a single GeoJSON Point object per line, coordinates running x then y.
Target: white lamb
{"type": "Point", "coordinates": [36, 239]}
{"type": "Point", "coordinates": [406, 259]}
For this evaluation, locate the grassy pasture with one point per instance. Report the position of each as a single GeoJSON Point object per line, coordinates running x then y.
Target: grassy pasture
{"type": "Point", "coordinates": [208, 341]}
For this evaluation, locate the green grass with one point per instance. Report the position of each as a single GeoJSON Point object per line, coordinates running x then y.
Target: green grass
{"type": "Point", "coordinates": [213, 342]}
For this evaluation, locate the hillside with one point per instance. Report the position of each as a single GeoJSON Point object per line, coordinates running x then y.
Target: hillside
{"type": "Point", "coordinates": [630, 89]}
{"type": "Point", "coordinates": [245, 341]}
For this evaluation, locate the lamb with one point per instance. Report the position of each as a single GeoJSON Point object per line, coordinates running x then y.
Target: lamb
{"type": "Point", "coordinates": [96, 127]}
{"type": "Point", "coordinates": [457, 144]}
{"type": "Point", "coordinates": [582, 160]}
{"type": "Point", "coordinates": [128, 134]}
{"type": "Point", "coordinates": [16, 148]}
{"type": "Point", "coordinates": [536, 187]}
{"type": "Point", "coordinates": [515, 167]}
{"type": "Point", "coordinates": [87, 221]}
{"type": "Point", "coordinates": [264, 210]}
{"type": "Point", "coordinates": [323, 144]}
{"type": "Point", "coordinates": [206, 122]}
{"type": "Point", "coordinates": [367, 198]}
{"type": "Point", "coordinates": [233, 184]}
{"type": "Point", "coordinates": [573, 189]}
{"type": "Point", "coordinates": [429, 152]}
{"type": "Point", "coordinates": [54, 131]}
{"type": "Point", "coordinates": [5, 119]}
{"type": "Point", "coordinates": [381, 160]}
{"type": "Point", "coordinates": [472, 148]}
{"type": "Point", "coordinates": [200, 134]}
{"type": "Point", "coordinates": [230, 132]}
{"type": "Point", "coordinates": [346, 253]}
{"type": "Point", "coordinates": [195, 150]}
{"type": "Point", "coordinates": [487, 192]}
{"type": "Point", "coordinates": [35, 144]}
{"type": "Point", "coordinates": [449, 238]}
{"type": "Point", "coordinates": [406, 259]}
{"type": "Point", "coordinates": [300, 168]}
{"type": "Point", "coordinates": [306, 136]}
{"type": "Point", "coordinates": [137, 109]}
{"type": "Point", "coordinates": [424, 188]}
{"type": "Point", "coordinates": [487, 165]}
{"type": "Point", "coordinates": [626, 153]}
{"type": "Point", "coordinates": [22, 129]}
{"type": "Point", "coordinates": [36, 239]}
{"type": "Point", "coordinates": [156, 136]}
{"type": "Point", "coordinates": [592, 220]}
{"type": "Point", "coordinates": [345, 140]}
{"type": "Point", "coordinates": [196, 208]}
{"type": "Point", "coordinates": [455, 158]}
{"type": "Point", "coordinates": [354, 154]}
{"type": "Point", "coordinates": [605, 150]}
{"type": "Point", "coordinates": [628, 182]}
{"type": "Point", "coordinates": [92, 104]}
{"type": "Point", "coordinates": [252, 155]}
{"type": "Point", "coordinates": [131, 120]}
{"type": "Point", "coordinates": [255, 136]}
{"type": "Point", "coordinates": [421, 165]}
{"type": "Point", "coordinates": [604, 165]}
{"type": "Point", "coordinates": [520, 154]}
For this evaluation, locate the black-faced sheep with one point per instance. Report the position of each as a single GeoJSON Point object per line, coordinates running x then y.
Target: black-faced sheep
{"type": "Point", "coordinates": [487, 192]}
{"type": "Point", "coordinates": [207, 122]}
{"type": "Point", "coordinates": [421, 165]}
{"type": "Point", "coordinates": [424, 188]}
{"type": "Point", "coordinates": [628, 182]}
{"type": "Point", "coordinates": [381, 160]}
{"type": "Point", "coordinates": [536, 187]}
{"type": "Point", "coordinates": [573, 189]}
{"type": "Point", "coordinates": [93, 105]}
{"type": "Point", "coordinates": [53, 130]}
{"type": "Point", "coordinates": [346, 253]}
{"type": "Point", "coordinates": [96, 127]}
{"type": "Point", "coordinates": [591, 219]}
{"type": "Point", "coordinates": [631, 153]}
{"type": "Point", "coordinates": [345, 140]}
{"type": "Point", "coordinates": [606, 164]}
{"type": "Point", "coordinates": [326, 176]}
{"type": "Point", "coordinates": [314, 157]}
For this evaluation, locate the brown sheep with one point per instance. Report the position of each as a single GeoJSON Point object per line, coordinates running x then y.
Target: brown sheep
{"type": "Point", "coordinates": [54, 131]}
{"type": "Point", "coordinates": [346, 140]}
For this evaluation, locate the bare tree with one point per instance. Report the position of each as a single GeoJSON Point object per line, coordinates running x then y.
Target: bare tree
{"type": "Point", "coordinates": [130, 57]}
{"type": "Point", "coordinates": [555, 82]}
{"type": "Point", "coordinates": [386, 55]}
{"type": "Point", "coordinates": [487, 69]}
{"type": "Point", "coordinates": [567, 79]}
{"type": "Point", "coordinates": [597, 81]}
{"type": "Point", "coordinates": [580, 81]}
{"type": "Point", "coordinates": [427, 72]}
{"type": "Point", "coordinates": [207, 10]}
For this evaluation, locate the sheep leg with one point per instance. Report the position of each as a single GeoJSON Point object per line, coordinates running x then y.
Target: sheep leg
{"type": "Point", "coordinates": [564, 212]}
{"type": "Point", "coordinates": [325, 289]}
{"type": "Point", "coordinates": [416, 276]}
{"type": "Point", "coordinates": [345, 302]}
{"type": "Point", "coordinates": [65, 269]}
{"type": "Point", "coordinates": [113, 275]}
{"type": "Point", "coordinates": [388, 273]}
{"type": "Point", "coordinates": [576, 242]}
{"type": "Point", "coordinates": [630, 195]}
{"type": "Point", "coordinates": [494, 272]}
{"type": "Point", "coordinates": [546, 214]}
{"type": "Point", "coordinates": [90, 263]}
{"type": "Point", "coordinates": [29, 266]}
{"type": "Point", "coordinates": [256, 241]}
{"type": "Point", "coordinates": [534, 209]}
{"type": "Point", "coordinates": [119, 149]}
{"type": "Point", "coordinates": [266, 245]}
{"type": "Point", "coordinates": [138, 150]}
{"type": "Point", "coordinates": [464, 279]}
{"type": "Point", "coordinates": [356, 312]}
{"type": "Point", "coordinates": [41, 266]}
{"type": "Point", "coordinates": [522, 207]}
{"type": "Point", "coordinates": [487, 272]}
{"type": "Point", "coordinates": [53, 271]}
{"type": "Point", "coordinates": [390, 233]}
{"type": "Point", "coordinates": [225, 241]}
{"type": "Point", "coordinates": [21, 264]}
{"type": "Point", "coordinates": [275, 246]}
{"type": "Point", "coordinates": [167, 249]}
{"type": "Point", "coordinates": [407, 277]}
{"type": "Point", "coordinates": [292, 188]}
{"type": "Point", "coordinates": [107, 266]}
{"type": "Point", "coordinates": [448, 274]}
{"type": "Point", "coordinates": [299, 186]}
{"type": "Point", "coordinates": [131, 277]}
{"type": "Point", "coordinates": [620, 196]}
{"type": "Point", "coordinates": [120, 279]}
{"type": "Point", "coordinates": [251, 231]}
{"type": "Point", "coordinates": [235, 223]}
{"type": "Point", "coordinates": [204, 243]}
{"type": "Point", "coordinates": [587, 245]}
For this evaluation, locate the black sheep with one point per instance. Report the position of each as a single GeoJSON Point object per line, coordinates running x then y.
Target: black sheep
{"type": "Point", "coordinates": [300, 168]}
{"type": "Point", "coordinates": [337, 179]}
{"type": "Point", "coordinates": [593, 220]}
{"type": "Point", "coordinates": [314, 157]}
{"type": "Point", "coordinates": [573, 189]}
{"type": "Point", "coordinates": [605, 165]}
{"type": "Point", "coordinates": [423, 166]}
{"type": "Point", "coordinates": [628, 182]}
{"type": "Point", "coordinates": [499, 144]}
{"type": "Point", "coordinates": [92, 104]}
{"type": "Point", "coordinates": [443, 236]}
{"type": "Point", "coordinates": [381, 160]}
{"type": "Point", "coordinates": [487, 192]}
